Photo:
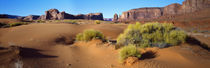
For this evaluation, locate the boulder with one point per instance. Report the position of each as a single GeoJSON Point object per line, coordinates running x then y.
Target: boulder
{"type": "Point", "coordinates": [31, 17]}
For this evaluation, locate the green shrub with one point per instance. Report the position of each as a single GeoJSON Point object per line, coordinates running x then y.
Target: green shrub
{"type": "Point", "coordinates": [70, 21]}
{"type": "Point", "coordinates": [17, 24]}
{"type": "Point", "coordinates": [129, 51]}
{"type": "Point", "coordinates": [97, 22]}
{"type": "Point", "coordinates": [2, 25]}
{"type": "Point", "coordinates": [40, 21]}
{"type": "Point", "coordinates": [88, 35]}
{"type": "Point", "coordinates": [151, 34]}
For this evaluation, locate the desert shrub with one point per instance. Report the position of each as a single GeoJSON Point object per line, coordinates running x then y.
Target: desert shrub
{"type": "Point", "coordinates": [151, 34]}
{"type": "Point", "coordinates": [2, 25]}
{"type": "Point", "coordinates": [97, 22]}
{"type": "Point", "coordinates": [17, 24]}
{"type": "Point", "coordinates": [70, 21]}
{"type": "Point", "coordinates": [40, 21]}
{"type": "Point", "coordinates": [88, 35]}
{"type": "Point", "coordinates": [129, 51]}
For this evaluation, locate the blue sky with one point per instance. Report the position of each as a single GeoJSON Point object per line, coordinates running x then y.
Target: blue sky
{"type": "Point", "coordinates": [107, 7]}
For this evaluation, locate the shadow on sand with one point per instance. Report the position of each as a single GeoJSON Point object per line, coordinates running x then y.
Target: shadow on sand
{"type": "Point", "coordinates": [148, 55]}
{"type": "Point", "coordinates": [194, 41]}
{"type": "Point", "coordinates": [33, 53]}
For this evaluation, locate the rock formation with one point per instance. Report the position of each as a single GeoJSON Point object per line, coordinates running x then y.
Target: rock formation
{"type": "Point", "coordinates": [194, 5]}
{"type": "Point", "coordinates": [172, 9]}
{"type": "Point", "coordinates": [31, 17]}
{"type": "Point", "coordinates": [141, 13]}
{"type": "Point", "coordinates": [187, 6]}
{"type": "Point", "coordinates": [54, 14]}
{"type": "Point", "coordinates": [94, 16]}
{"type": "Point", "coordinates": [115, 17]}
{"type": "Point", "coordinates": [80, 16]}
{"type": "Point", "coordinates": [64, 15]}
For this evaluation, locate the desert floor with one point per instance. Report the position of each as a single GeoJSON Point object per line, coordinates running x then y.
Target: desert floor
{"type": "Point", "coordinates": [52, 45]}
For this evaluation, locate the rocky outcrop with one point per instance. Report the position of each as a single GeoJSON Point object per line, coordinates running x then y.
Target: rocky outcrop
{"type": "Point", "coordinates": [141, 13]}
{"type": "Point", "coordinates": [31, 17]}
{"type": "Point", "coordinates": [64, 15]}
{"type": "Point", "coordinates": [54, 14]}
{"type": "Point", "coordinates": [80, 16]}
{"type": "Point", "coordinates": [42, 17]}
{"type": "Point", "coordinates": [94, 16]}
{"type": "Point", "coordinates": [194, 5]}
{"type": "Point", "coordinates": [172, 9]}
{"type": "Point", "coordinates": [187, 6]}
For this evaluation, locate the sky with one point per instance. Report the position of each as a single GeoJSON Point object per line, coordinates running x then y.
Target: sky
{"type": "Point", "coordinates": [107, 7]}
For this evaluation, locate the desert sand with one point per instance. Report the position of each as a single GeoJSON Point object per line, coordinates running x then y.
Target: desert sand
{"type": "Point", "coordinates": [52, 45]}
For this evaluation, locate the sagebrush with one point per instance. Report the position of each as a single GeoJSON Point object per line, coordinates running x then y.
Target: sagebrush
{"type": "Point", "coordinates": [151, 34]}
{"type": "Point", "coordinates": [129, 51]}
{"type": "Point", "coordinates": [97, 22]}
{"type": "Point", "coordinates": [88, 35]}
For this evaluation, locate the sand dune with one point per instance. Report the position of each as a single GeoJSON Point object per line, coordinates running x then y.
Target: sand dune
{"type": "Point", "coordinates": [50, 46]}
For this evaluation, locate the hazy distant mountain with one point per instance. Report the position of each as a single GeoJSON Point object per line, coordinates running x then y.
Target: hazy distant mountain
{"type": "Point", "coordinates": [9, 16]}
{"type": "Point", "coordinates": [108, 19]}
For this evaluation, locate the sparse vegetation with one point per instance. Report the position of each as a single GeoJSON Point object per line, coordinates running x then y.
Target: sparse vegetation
{"type": "Point", "coordinates": [129, 51]}
{"type": "Point", "coordinates": [70, 21]}
{"type": "Point", "coordinates": [88, 35]}
{"type": "Point", "coordinates": [151, 34]}
{"type": "Point", "coordinates": [97, 22]}
{"type": "Point", "coordinates": [40, 21]}
{"type": "Point", "coordinates": [17, 24]}
{"type": "Point", "coordinates": [2, 24]}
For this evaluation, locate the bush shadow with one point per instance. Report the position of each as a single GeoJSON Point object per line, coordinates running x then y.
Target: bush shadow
{"type": "Point", "coordinates": [64, 40]}
{"type": "Point", "coordinates": [148, 55]}
{"type": "Point", "coordinates": [193, 41]}
{"type": "Point", "coordinates": [33, 53]}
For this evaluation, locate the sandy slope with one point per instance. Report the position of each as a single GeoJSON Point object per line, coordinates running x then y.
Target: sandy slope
{"type": "Point", "coordinates": [41, 50]}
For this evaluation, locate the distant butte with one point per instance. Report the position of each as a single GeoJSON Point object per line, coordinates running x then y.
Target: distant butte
{"type": "Point", "coordinates": [188, 6]}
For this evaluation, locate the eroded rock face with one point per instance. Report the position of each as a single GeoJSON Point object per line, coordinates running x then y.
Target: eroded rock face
{"type": "Point", "coordinates": [141, 13]}
{"type": "Point", "coordinates": [94, 16]}
{"type": "Point", "coordinates": [194, 5]}
{"type": "Point", "coordinates": [80, 16]}
{"type": "Point", "coordinates": [54, 14]}
{"type": "Point", "coordinates": [42, 17]}
{"type": "Point", "coordinates": [64, 15]}
{"type": "Point", "coordinates": [172, 9]}
{"type": "Point", "coordinates": [187, 6]}
{"type": "Point", "coordinates": [31, 17]}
